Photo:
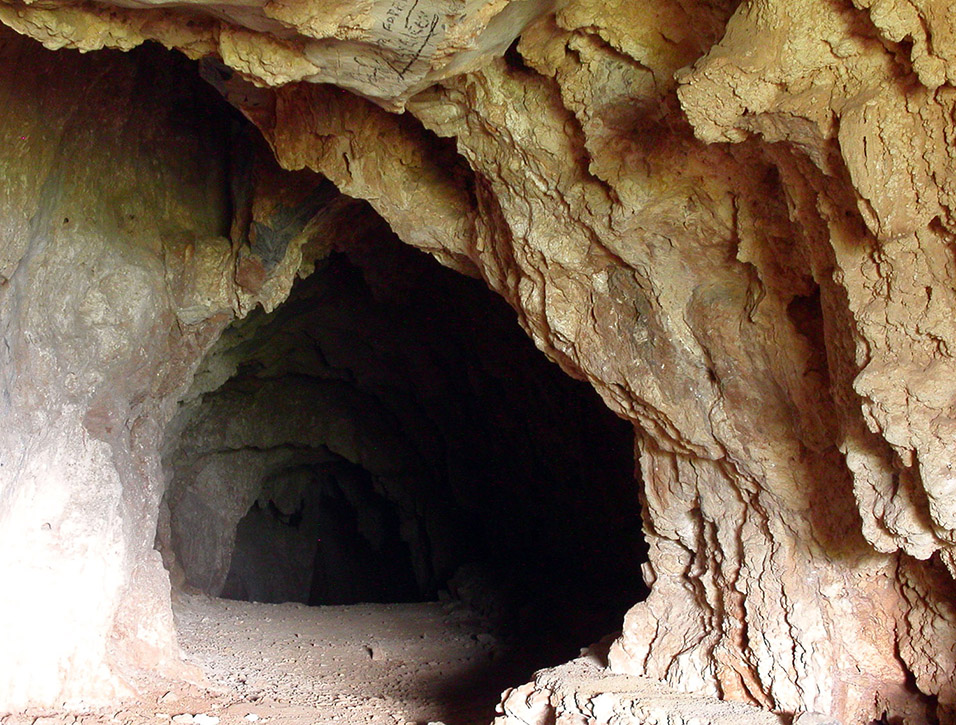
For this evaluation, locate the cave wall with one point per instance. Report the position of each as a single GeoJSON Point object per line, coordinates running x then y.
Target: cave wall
{"type": "Point", "coordinates": [104, 178]}
{"type": "Point", "coordinates": [116, 212]}
{"type": "Point", "coordinates": [734, 221]}
{"type": "Point", "coordinates": [679, 279]}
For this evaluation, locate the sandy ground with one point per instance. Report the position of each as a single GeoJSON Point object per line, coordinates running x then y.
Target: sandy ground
{"type": "Point", "coordinates": [372, 664]}
{"type": "Point", "coordinates": [381, 664]}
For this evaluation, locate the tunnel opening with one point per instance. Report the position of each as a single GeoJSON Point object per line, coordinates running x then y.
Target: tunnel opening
{"type": "Point", "coordinates": [390, 434]}
{"type": "Point", "coordinates": [321, 534]}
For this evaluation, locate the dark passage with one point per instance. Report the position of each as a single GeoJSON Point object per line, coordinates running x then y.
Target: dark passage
{"type": "Point", "coordinates": [321, 535]}
{"type": "Point", "coordinates": [390, 434]}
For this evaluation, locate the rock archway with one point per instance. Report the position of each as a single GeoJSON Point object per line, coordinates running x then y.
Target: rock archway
{"type": "Point", "coordinates": [732, 220]}
{"type": "Point", "coordinates": [388, 434]}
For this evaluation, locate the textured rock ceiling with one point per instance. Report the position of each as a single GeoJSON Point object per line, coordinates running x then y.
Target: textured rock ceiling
{"type": "Point", "coordinates": [735, 221]}
{"type": "Point", "coordinates": [384, 50]}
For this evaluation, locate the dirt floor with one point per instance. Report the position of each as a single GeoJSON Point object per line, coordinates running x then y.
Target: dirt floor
{"type": "Point", "coordinates": [289, 664]}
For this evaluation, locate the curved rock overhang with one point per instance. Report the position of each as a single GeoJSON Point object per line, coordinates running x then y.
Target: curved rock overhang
{"type": "Point", "coordinates": [733, 221]}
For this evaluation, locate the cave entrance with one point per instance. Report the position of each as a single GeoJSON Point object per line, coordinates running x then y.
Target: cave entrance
{"type": "Point", "coordinates": [389, 434]}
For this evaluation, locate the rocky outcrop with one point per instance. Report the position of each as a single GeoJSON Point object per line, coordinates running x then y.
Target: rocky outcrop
{"type": "Point", "coordinates": [583, 690]}
{"type": "Point", "coordinates": [734, 221]}
{"type": "Point", "coordinates": [602, 227]}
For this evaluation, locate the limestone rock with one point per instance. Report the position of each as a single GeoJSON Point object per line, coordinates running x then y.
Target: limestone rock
{"type": "Point", "coordinates": [386, 50]}
{"type": "Point", "coordinates": [99, 176]}
{"type": "Point", "coordinates": [581, 691]}
{"type": "Point", "coordinates": [734, 220]}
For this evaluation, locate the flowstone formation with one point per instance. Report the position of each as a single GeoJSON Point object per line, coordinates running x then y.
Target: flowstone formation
{"type": "Point", "coordinates": [734, 221]}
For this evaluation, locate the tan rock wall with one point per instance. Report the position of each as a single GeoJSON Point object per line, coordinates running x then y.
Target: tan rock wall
{"type": "Point", "coordinates": [96, 177]}
{"type": "Point", "coordinates": [385, 50]}
{"type": "Point", "coordinates": [736, 223]}
{"type": "Point", "coordinates": [682, 280]}
{"type": "Point", "coordinates": [114, 207]}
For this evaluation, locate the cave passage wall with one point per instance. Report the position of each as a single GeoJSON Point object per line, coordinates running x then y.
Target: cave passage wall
{"type": "Point", "coordinates": [734, 220]}
{"type": "Point", "coordinates": [113, 171]}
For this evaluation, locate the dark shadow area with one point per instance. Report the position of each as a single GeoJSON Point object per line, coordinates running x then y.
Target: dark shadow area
{"type": "Point", "coordinates": [316, 545]}
{"type": "Point", "coordinates": [390, 434]}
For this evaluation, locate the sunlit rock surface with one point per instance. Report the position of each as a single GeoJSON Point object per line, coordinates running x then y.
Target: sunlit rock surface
{"type": "Point", "coordinates": [104, 185]}
{"type": "Point", "coordinates": [734, 221]}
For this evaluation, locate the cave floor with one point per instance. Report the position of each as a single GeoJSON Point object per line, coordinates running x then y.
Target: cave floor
{"type": "Point", "coordinates": [378, 664]}
{"type": "Point", "coordinates": [366, 663]}
{"type": "Point", "coordinates": [289, 664]}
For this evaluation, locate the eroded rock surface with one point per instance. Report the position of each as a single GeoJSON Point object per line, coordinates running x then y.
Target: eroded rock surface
{"type": "Point", "coordinates": [98, 177]}
{"type": "Point", "coordinates": [734, 221]}
{"type": "Point", "coordinates": [583, 690]}
{"type": "Point", "coordinates": [385, 50]}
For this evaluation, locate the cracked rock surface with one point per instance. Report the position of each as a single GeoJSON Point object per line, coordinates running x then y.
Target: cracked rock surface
{"type": "Point", "coordinates": [735, 221]}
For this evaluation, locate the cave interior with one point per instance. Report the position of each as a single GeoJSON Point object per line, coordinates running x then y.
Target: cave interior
{"type": "Point", "coordinates": [390, 434]}
{"type": "Point", "coordinates": [587, 318]}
